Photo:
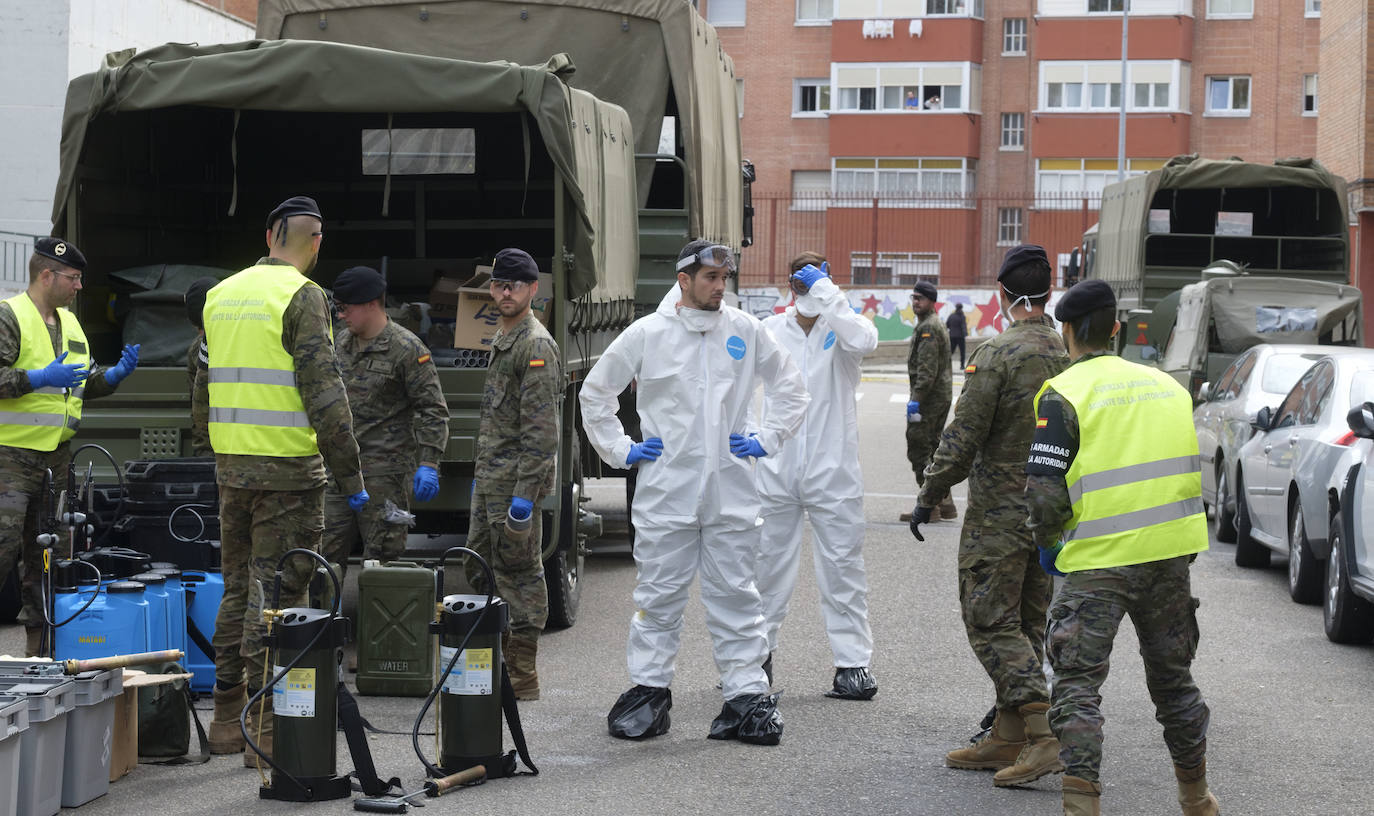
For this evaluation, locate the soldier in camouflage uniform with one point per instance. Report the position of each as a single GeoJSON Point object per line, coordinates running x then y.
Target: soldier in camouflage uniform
{"type": "Point", "coordinates": [517, 450]}
{"type": "Point", "coordinates": [400, 420]}
{"type": "Point", "coordinates": [30, 377]}
{"type": "Point", "coordinates": [1003, 594]}
{"type": "Point", "coordinates": [1140, 571]}
{"type": "Point", "coordinates": [195, 362]}
{"type": "Point", "coordinates": [270, 467]}
{"type": "Point", "coordinates": [931, 385]}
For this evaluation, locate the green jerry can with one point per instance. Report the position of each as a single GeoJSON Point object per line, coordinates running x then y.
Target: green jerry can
{"type": "Point", "coordinates": [395, 649]}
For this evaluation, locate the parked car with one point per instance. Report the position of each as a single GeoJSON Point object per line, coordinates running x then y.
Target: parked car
{"type": "Point", "coordinates": [1291, 471]}
{"type": "Point", "coordinates": [1348, 606]}
{"type": "Point", "coordinates": [1260, 376]}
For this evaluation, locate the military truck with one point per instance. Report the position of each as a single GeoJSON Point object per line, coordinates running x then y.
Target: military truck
{"type": "Point", "coordinates": [1157, 232]}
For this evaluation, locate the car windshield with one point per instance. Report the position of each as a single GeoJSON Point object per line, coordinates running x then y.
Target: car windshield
{"type": "Point", "coordinates": [1281, 371]}
{"type": "Point", "coordinates": [1361, 388]}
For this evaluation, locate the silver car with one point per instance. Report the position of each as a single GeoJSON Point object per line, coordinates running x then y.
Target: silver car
{"type": "Point", "coordinates": [1292, 470]}
{"type": "Point", "coordinates": [1348, 605]}
{"type": "Point", "coordinates": [1260, 376]}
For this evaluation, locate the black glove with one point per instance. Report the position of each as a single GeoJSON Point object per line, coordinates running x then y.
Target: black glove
{"type": "Point", "coordinates": [919, 515]}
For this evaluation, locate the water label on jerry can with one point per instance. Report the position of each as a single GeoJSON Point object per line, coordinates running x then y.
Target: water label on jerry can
{"type": "Point", "coordinates": [294, 695]}
{"type": "Point", "coordinates": [472, 674]}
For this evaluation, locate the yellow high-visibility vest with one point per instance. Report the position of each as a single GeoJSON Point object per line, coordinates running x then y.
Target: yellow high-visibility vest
{"type": "Point", "coordinates": [46, 417]}
{"type": "Point", "coordinates": [255, 406]}
{"type": "Point", "coordinates": [1136, 483]}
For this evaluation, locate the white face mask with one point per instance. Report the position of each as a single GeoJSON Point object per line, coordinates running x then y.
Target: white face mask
{"type": "Point", "coordinates": [808, 306]}
{"type": "Point", "coordinates": [1006, 310]}
{"type": "Point", "coordinates": [697, 319]}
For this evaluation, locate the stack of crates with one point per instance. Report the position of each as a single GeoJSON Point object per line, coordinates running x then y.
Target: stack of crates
{"type": "Point", "coordinates": [171, 511]}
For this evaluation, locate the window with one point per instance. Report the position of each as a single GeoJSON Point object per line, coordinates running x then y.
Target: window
{"type": "Point", "coordinates": [945, 6]}
{"type": "Point", "coordinates": [1064, 95]}
{"type": "Point", "coordinates": [1009, 226]}
{"type": "Point", "coordinates": [1314, 8]}
{"type": "Point", "coordinates": [1013, 131]}
{"type": "Point", "coordinates": [1104, 95]}
{"type": "Point", "coordinates": [815, 11]}
{"type": "Point", "coordinates": [1014, 35]}
{"type": "Point", "coordinates": [419, 151]}
{"type": "Point", "coordinates": [810, 189]}
{"type": "Point", "coordinates": [1228, 95]}
{"type": "Point", "coordinates": [1095, 85]}
{"type": "Point", "coordinates": [904, 87]}
{"type": "Point", "coordinates": [1064, 183]}
{"type": "Point", "coordinates": [1230, 8]}
{"type": "Point", "coordinates": [905, 182]}
{"type": "Point", "coordinates": [725, 12]}
{"type": "Point", "coordinates": [1096, 6]}
{"type": "Point", "coordinates": [1309, 93]}
{"type": "Point", "coordinates": [810, 96]}
{"type": "Point", "coordinates": [895, 268]}
{"type": "Point", "coordinates": [1150, 95]}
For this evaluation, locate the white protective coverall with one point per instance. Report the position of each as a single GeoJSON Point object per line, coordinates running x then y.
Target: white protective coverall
{"type": "Point", "coordinates": [695, 507]}
{"type": "Point", "coordinates": [818, 472]}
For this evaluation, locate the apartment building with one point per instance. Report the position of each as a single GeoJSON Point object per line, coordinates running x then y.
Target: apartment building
{"type": "Point", "coordinates": [920, 138]}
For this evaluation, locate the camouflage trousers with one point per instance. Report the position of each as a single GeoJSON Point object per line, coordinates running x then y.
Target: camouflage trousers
{"type": "Point", "coordinates": [1083, 623]}
{"type": "Point", "coordinates": [381, 539]}
{"type": "Point", "coordinates": [922, 438]}
{"type": "Point", "coordinates": [518, 565]}
{"type": "Point", "coordinates": [1003, 595]}
{"type": "Point", "coordinates": [256, 528]}
{"type": "Point", "coordinates": [21, 520]}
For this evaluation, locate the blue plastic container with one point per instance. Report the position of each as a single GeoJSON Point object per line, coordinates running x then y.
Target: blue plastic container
{"type": "Point", "coordinates": [176, 610]}
{"type": "Point", "coordinates": [159, 610]}
{"type": "Point", "coordinates": [116, 622]}
{"type": "Point", "coordinates": [204, 591]}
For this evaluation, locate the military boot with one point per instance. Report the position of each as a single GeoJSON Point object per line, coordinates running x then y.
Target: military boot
{"type": "Point", "coordinates": [1041, 754]}
{"type": "Point", "coordinates": [260, 728]}
{"type": "Point", "coordinates": [995, 749]}
{"type": "Point", "coordinates": [520, 662]}
{"type": "Point", "coordinates": [225, 736]}
{"type": "Point", "coordinates": [33, 641]}
{"type": "Point", "coordinates": [948, 512]}
{"type": "Point", "coordinates": [1193, 795]}
{"type": "Point", "coordinates": [1081, 797]}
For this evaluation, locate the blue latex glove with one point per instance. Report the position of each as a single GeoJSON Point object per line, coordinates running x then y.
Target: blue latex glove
{"type": "Point", "coordinates": [128, 361]}
{"type": "Point", "coordinates": [426, 483]}
{"type": "Point", "coordinates": [58, 374]}
{"type": "Point", "coordinates": [913, 407]}
{"type": "Point", "coordinates": [1047, 559]}
{"type": "Point", "coordinates": [743, 446]}
{"type": "Point", "coordinates": [520, 509]}
{"type": "Point", "coordinates": [809, 274]}
{"type": "Point", "coordinates": [357, 500]}
{"type": "Point", "coordinates": [648, 450]}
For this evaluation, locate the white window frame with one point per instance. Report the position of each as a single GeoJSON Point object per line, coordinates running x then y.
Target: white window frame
{"type": "Point", "coordinates": [1088, 6]}
{"type": "Point", "coordinates": [1230, 15]}
{"type": "Point", "coordinates": [1011, 225]}
{"type": "Point", "coordinates": [1011, 38]}
{"type": "Point", "coordinates": [818, 83]}
{"type": "Point", "coordinates": [1230, 80]}
{"type": "Point", "coordinates": [953, 8]}
{"type": "Point", "coordinates": [1313, 79]}
{"type": "Point", "coordinates": [868, 183]}
{"type": "Point", "coordinates": [1151, 92]}
{"type": "Point", "coordinates": [811, 198]}
{"type": "Point", "coordinates": [1015, 128]}
{"type": "Point", "coordinates": [815, 21]}
{"type": "Point", "coordinates": [1066, 189]}
{"type": "Point", "coordinates": [728, 22]}
{"type": "Point", "coordinates": [1083, 88]}
{"type": "Point", "coordinates": [851, 99]}
{"type": "Point", "coordinates": [1312, 8]}
{"type": "Point", "coordinates": [903, 268]}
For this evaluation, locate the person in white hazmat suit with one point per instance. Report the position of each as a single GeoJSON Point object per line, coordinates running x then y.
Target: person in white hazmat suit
{"type": "Point", "coordinates": [817, 475]}
{"type": "Point", "coordinates": [696, 364]}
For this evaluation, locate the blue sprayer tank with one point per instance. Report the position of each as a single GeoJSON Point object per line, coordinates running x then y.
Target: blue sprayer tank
{"type": "Point", "coordinates": [204, 590]}
{"type": "Point", "coordinates": [115, 623]}
{"type": "Point", "coordinates": [159, 610]}
{"type": "Point", "coordinates": [176, 616]}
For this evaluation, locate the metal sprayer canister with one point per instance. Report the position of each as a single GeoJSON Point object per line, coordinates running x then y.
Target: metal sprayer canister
{"type": "Point", "coordinates": [470, 699]}
{"type": "Point", "coordinates": [305, 701]}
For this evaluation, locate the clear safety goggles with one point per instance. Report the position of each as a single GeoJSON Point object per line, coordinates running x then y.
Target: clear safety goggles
{"type": "Point", "coordinates": [710, 256]}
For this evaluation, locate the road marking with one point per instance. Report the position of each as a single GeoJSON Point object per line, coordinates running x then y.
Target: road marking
{"type": "Point", "coordinates": [896, 398]}
{"type": "Point", "coordinates": [858, 395]}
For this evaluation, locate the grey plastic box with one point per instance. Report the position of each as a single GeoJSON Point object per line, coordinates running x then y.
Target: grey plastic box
{"type": "Point", "coordinates": [43, 743]}
{"type": "Point", "coordinates": [14, 720]}
{"type": "Point", "coordinates": [90, 726]}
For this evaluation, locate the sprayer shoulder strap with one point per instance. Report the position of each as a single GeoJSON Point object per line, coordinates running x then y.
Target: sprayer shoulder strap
{"type": "Point", "coordinates": [517, 733]}
{"type": "Point", "coordinates": [365, 770]}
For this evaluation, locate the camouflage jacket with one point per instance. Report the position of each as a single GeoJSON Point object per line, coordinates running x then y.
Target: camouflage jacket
{"type": "Point", "coordinates": [306, 336]}
{"type": "Point", "coordinates": [517, 443]}
{"type": "Point", "coordinates": [200, 410]}
{"type": "Point", "coordinates": [989, 438]}
{"type": "Point", "coordinates": [14, 382]}
{"type": "Point", "coordinates": [1047, 494]}
{"type": "Point", "coordinates": [400, 418]}
{"type": "Point", "coordinates": [927, 365]}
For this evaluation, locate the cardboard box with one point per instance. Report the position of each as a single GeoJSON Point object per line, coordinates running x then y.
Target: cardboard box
{"type": "Point", "coordinates": [124, 745]}
{"type": "Point", "coordinates": [1235, 223]}
{"type": "Point", "coordinates": [443, 297]}
{"type": "Point", "coordinates": [477, 318]}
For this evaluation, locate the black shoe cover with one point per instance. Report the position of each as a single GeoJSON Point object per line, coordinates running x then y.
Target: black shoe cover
{"type": "Point", "coordinates": [853, 684]}
{"type": "Point", "coordinates": [752, 718]}
{"type": "Point", "coordinates": [640, 713]}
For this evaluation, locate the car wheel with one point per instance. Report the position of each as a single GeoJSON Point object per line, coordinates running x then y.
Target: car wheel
{"type": "Point", "coordinates": [1304, 570]}
{"type": "Point", "coordinates": [1249, 552]}
{"type": "Point", "coordinates": [1224, 517]}
{"type": "Point", "coordinates": [1346, 617]}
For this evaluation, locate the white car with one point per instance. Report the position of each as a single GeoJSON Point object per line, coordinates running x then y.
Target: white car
{"type": "Point", "coordinates": [1348, 607]}
{"type": "Point", "coordinates": [1292, 470]}
{"type": "Point", "coordinates": [1260, 376]}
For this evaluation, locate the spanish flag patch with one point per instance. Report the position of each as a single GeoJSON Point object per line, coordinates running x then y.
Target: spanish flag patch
{"type": "Point", "coordinates": [423, 358]}
{"type": "Point", "coordinates": [1041, 422]}
{"type": "Point", "coordinates": [536, 363]}
{"type": "Point", "coordinates": [971, 368]}
{"type": "Point", "coordinates": [924, 335]}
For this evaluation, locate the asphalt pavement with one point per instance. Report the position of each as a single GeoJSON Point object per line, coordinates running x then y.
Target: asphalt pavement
{"type": "Point", "coordinates": [1291, 712]}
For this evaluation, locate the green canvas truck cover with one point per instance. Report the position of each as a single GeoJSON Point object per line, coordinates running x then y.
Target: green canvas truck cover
{"type": "Point", "coordinates": [627, 52]}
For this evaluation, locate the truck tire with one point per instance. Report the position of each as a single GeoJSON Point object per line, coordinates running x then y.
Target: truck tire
{"type": "Point", "coordinates": [563, 568]}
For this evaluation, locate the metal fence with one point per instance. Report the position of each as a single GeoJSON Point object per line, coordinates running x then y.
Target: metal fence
{"type": "Point", "coordinates": [895, 239]}
{"type": "Point", "coordinates": [15, 249]}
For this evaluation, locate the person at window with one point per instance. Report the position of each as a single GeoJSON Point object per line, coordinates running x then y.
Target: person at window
{"type": "Point", "coordinates": [933, 103]}
{"type": "Point", "coordinates": [911, 103]}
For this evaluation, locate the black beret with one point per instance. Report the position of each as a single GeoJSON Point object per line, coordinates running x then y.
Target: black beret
{"type": "Point", "coordinates": [1020, 256]}
{"type": "Point", "coordinates": [514, 265]}
{"type": "Point", "coordinates": [1083, 298]}
{"type": "Point", "coordinates": [926, 289]}
{"type": "Point", "coordinates": [359, 284]}
{"type": "Point", "coordinates": [295, 205]}
{"type": "Point", "coordinates": [61, 251]}
{"type": "Point", "coordinates": [195, 299]}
